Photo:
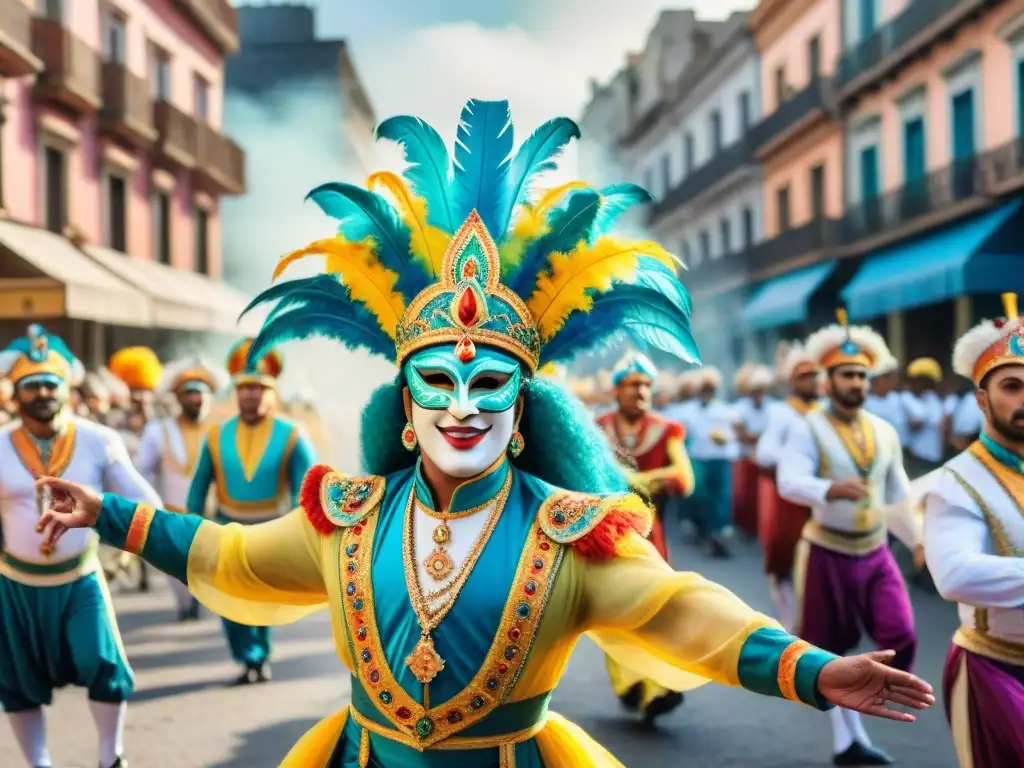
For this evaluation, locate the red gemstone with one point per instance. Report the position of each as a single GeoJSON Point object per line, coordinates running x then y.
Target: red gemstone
{"type": "Point", "coordinates": [465, 350]}
{"type": "Point", "coordinates": [468, 308]}
{"type": "Point", "coordinates": [359, 529]}
{"type": "Point", "coordinates": [545, 546]}
{"type": "Point", "coordinates": [503, 668]}
{"type": "Point", "coordinates": [514, 634]}
{"type": "Point", "coordinates": [402, 712]}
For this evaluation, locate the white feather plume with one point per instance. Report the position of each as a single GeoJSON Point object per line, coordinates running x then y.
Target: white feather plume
{"type": "Point", "coordinates": [796, 356]}
{"type": "Point", "coordinates": [973, 344]}
{"type": "Point", "coordinates": [821, 342]}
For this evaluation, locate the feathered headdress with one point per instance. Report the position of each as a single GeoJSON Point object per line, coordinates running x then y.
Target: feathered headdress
{"type": "Point", "coordinates": [40, 354]}
{"type": "Point", "coordinates": [246, 367]}
{"type": "Point", "coordinates": [760, 377]}
{"type": "Point", "coordinates": [633, 364]}
{"type": "Point", "coordinates": [845, 344]}
{"type": "Point", "coordinates": [991, 344]}
{"type": "Point", "coordinates": [190, 371]}
{"type": "Point", "coordinates": [463, 253]}
{"type": "Point", "coordinates": [138, 367]}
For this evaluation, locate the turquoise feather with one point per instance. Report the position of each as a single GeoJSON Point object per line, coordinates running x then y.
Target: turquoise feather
{"type": "Point", "coordinates": [537, 155]}
{"type": "Point", "coordinates": [616, 199]}
{"type": "Point", "coordinates": [429, 173]}
{"type": "Point", "coordinates": [351, 331]}
{"type": "Point", "coordinates": [483, 146]}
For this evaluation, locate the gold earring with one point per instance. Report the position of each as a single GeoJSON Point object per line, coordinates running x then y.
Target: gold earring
{"type": "Point", "coordinates": [409, 437]}
{"type": "Point", "coordinates": [516, 444]}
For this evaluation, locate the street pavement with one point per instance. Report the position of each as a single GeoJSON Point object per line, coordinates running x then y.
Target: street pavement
{"type": "Point", "coordinates": [183, 716]}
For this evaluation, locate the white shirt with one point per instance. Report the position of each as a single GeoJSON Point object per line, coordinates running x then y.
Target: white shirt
{"type": "Point", "coordinates": [968, 418]}
{"type": "Point", "coordinates": [754, 419]}
{"type": "Point", "coordinates": [781, 418]}
{"type": "Point", "coordinates": [814, 457]}
{"type": "Point", "coordinates": [100, 461]}
{"type": "Point", "coordinates": [928, 410]}
{"type": "Point", "coordinates": [163, 460]}
{"type": "Point", "coordinates": [962, 554]}
{"type": "Point", "coordinates": [891, 408]}
{"type": "Point", "coordinates": [701, 420]}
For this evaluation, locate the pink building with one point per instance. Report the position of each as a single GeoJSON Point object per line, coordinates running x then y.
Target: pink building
{"type": "Point", "coordinates": [112, 164]}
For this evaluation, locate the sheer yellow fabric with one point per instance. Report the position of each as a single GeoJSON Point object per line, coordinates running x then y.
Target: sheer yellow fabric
{"type": "Point", "coordinates": [262, 575]}
{"type": "Point", "coordinates": [677, 629]}
{"type": "Point", "coordinates": [563, 744]}
{"type": "Point", "coordinates": [316, 746]}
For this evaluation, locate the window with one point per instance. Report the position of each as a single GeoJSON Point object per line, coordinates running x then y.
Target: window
{"type": "Point", "coordinates": [866, 18]}
{"type": "Point", "coordinates": [688, 153]}
{"type": "Point", "coordinates": [725, 230]}
{"type": "Point", "coordinates": [818, 191]}
{"type": "Point", "coordinates": [744, 112]}
{"type": "Point", "coordinates": [705, 245]}
{"type": "Point", "coordinates": [748, 227]}
{"type": "Point", "coordinates": [963, 125]}
{"type": "Point", "coordinates": [162, 226]}
{"type": "Point", "coordinates": [780, 86]}
{"type": "Point", "coordinates": [117, 208]}
{"type": "Point", "coordinates": [814, 57]}
{"type": "Point", "coordinates": [202, 99]}
{"type": "Point", "coordinates": [782, 201]}
{"type": "Point", "coordinates": [716, 132]}
{"type": "Point", "coordinates": [50, 9]}
{"type": "Point", "coordinates": [666, 173]}
{"type": "Point", "coordinates": [913, 150]}
{"type": "Point", "coordinates": [202, 228]}
{"type": "Point", "coordinates": [114, 37]}
{"type": "Point", "coordinates": [870, 185]}
{"type": "Point", "coordinates": [55, 192]}
{"type": "Point", "coordinates": [160, 74]}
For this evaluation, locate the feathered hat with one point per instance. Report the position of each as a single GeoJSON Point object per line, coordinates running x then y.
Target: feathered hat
{"type": "Point", "coordinates": [191, 373]}
{"type": "Point", "coordinates": [796, 363]}
{"type": "Point", "coordinates": [843, 344]}
{"type": "Point", "coordinates": [739, 379]}
{"type": "Point", "coordinates": [38, 354]}
{"type": "Point", "coordinates": [245, 367]}
{"type": "Point", "coordinates": [632, 364]}
{"type": "Point", "coordinates": [760, 377]}
{"type": "Point", "coordinates": [708, 376]}
{"type": "Point", "coordinates": [138, 367]}
{"type": "Point", "coordinates": [991, 344]}
{"type": "Point", "coordinates": [463, 253]}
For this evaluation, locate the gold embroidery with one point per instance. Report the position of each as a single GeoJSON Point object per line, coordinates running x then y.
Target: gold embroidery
{"type": "Point", "coordinates": [976, 641]}
{"type": "Point", "coordinates": [787, 668]}
{"type": "Point", "coordinates": [61, 451]}
{"type": "Point", "coordinates": [1000, 538]}
{"type": "Point", "coordinates": [859, 440]}
{"type": "Point", "coordinates": [453, 743]}
{"type": "Point", "coordinates": [224, 499]}
{"type": "Point", "coordinates": [417, 725]}
{"type": "Point", "coordinates": [138, 529]}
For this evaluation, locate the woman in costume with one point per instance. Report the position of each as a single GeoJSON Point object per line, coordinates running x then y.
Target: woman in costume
{"type": "Point", "coordinates": [461, 573]}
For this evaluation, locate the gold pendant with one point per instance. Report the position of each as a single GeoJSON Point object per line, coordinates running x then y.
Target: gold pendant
{"type": "Point", "coordinates": [864, 517]}
{"type": "Point", "coordinates": [442, 534]}
{"type": "Point", "coordinates": [439, 564]}
{"type": "Point", "coordinates": [424, 662]}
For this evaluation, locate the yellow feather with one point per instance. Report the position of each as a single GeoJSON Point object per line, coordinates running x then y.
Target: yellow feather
{"type": "Point", "coordinates": [532, 223]}
{"type": "Point", "coordinates": [564, 287]}
{"type": "Point", "coordinates": [427, 243]}
{"type": "Point", "coordinates": [357, 268]}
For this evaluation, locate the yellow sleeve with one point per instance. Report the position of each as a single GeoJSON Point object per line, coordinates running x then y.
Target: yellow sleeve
{"type": "Point", "coordinates": [683, 631]}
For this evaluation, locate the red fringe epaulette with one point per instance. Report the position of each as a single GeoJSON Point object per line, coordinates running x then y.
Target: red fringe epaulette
{"type": "Point", "coordinates": [602, 541]}
{"type": "Point", "coordinates": [309, 499]}
{"type": "Point", "coordinates": [592, 524]}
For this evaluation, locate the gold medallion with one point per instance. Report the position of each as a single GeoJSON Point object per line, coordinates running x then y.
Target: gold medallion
{"type": "Point", "coordinates": [439, 564]}
{"type": "Point", "coordinates": [442, 534]}
{"type": "Point", "coordinates": [424, 662]}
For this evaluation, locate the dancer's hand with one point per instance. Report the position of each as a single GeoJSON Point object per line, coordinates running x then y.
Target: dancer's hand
{"type": "Point", "coordinates": [866, 683]}
{"type": "Point", "coordinates": [919, 558]}
{"type": "Point", "coordinates": [71, 506]}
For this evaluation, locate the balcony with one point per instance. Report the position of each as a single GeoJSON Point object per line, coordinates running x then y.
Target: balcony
{"type": "Point", "coordinates": [16, 56]}
{"type": "Point", "coordinates": [71, 69]}
{"type": "Point", "coordinates": [221, 162]}
{"type": "Point", "coordinates": [795, 247]}
{"type": "Point", "coordinates": [217, 19]}
{"type": "Point", "coordinates": [127, 113]}
{"type": "Point", "coordinates": [177, 142]}
{"type": "Point", "coordinates": [893, 46]}
{"type": "Point", "coordinates": [1004, 168]}
{"type": "Point", "coordinates": [799, 112]}
{"type": "Point", "coordinates": [943, 195]}
{"type": "Point", "coordinates": [726, 162]}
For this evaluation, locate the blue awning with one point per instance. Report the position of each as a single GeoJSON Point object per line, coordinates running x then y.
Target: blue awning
{"type": "Point", "coordinates": [983, 254]}
{"type": "Point", "coordinates": [784, 300]}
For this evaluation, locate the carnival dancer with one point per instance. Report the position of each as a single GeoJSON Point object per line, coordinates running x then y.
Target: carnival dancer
{"type": "Point", "coordinates": [461, 573]}
{"type": "Point", "coordinates": [847, 466]}
{"type": "Point", "coordinates": [256, 460]}
{"type": "Point", "coordinates": [926, 415]}
{"type": "Point", "coordinates": [974, 541]}
{"type": "Point", "coordinates": [713, 448]}
{"type": "Point", "coordinates": [886, 401]}
{"type": "Point", "coordinates": [781, 522]}
{"type": "Point", "coordinates": [169, 447]}
{"type": "Point", "coordinates": [751, 413]}
{"type": "Point", "coordinates": [653, 452]}
{"type": "Point", "coordinates": [57, 625]}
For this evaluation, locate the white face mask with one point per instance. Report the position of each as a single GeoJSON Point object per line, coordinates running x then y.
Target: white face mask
{"type": "Point", "coordinates": [463, 447]}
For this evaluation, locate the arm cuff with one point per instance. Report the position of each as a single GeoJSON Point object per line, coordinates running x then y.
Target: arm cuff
{"type": "Point", "coordinates": [774, 663]}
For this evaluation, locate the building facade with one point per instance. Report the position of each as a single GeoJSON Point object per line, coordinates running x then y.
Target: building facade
{"type": "Point", "coordinates": [112, 166]}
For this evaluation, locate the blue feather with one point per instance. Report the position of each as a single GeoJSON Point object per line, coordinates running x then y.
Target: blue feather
{"type": "Point", "coordinates": [483, 146]}
{"type": "Point", "coordinates": [298, 324]}
{"type": "Point", "coordinates": [616, 199]}
{"type": "Point", "coordinates": [655, 275]}
{"type": "Point", "coordinates": [378, 219]}
{"type": "Point", "coordinates": [537, 155]}
{"type": "Point", "coordinates": [647, 316]}
{"type": "Point", "coordinates": [566, 227]}
{"type": "Point", "coordinates": [429, 172]}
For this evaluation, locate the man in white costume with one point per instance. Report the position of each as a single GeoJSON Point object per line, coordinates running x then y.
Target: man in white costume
{"type": "Point", "coordinates": [57, 624]}
{"type": "Point", "coordinates": [974, 523]}
{"type": "Point", "coordinates": [170, 446]}
{"type": "Point", "coordinates": [847, 466]}
{"type": "Point", "coordinates": [751, 420]}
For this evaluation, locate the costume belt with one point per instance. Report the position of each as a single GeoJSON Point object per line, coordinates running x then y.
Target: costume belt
{"type": "Point", "coordinates": [50, 573]}
{"type": "Point", "coordinates": [984, 644]}
{"type": "Point", "coordinates": [505, 727]}
{"type": "Point", "coordinates": [845, 542]}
